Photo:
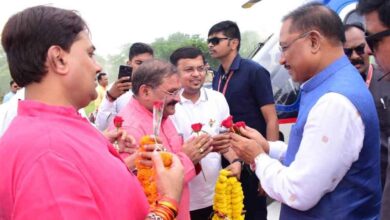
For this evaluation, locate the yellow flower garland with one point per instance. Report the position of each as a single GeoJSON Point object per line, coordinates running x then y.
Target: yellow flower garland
{"type": "Point", "coordinates": [228, 198]}
{"type": "Point", "coordinates": [146, 175]}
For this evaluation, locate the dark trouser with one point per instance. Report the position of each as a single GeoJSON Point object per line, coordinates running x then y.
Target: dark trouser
{"type": "Point", "coordinates": [202, 214]}
{"type": "Point", "coordinates": [254, 204]}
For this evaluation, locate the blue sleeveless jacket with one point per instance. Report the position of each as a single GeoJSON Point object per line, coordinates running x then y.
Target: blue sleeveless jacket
{"type": "Point", "coordinates": [358, 195]}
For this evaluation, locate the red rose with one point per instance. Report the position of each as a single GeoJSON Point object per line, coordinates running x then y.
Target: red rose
{"type": "Point", "coordinates": [196, 127]}
{"type": "Point", "coordinates": [228, 122]}
{"type": "Point", "coordinates": [158, 104]}
{"type": "Point", "coordinates": [240, 124]}
{"type": "Point", "coordinates": [118, 120]}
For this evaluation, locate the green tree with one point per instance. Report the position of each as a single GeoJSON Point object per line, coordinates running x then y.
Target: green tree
{"type": "Point", "coordinates": [164, 47]}
{"type": "Point", "coordinates": [5, 76]}
{"type": "Point", "coordinates": [249, 41]}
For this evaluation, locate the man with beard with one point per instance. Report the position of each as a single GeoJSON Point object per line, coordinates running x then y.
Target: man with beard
{"type": "Point", "coordinates": [154, 81]}
{"type": "Point", "coordinates": [377, 18]}
{"type": "Point", "coordinates": [356, 49]}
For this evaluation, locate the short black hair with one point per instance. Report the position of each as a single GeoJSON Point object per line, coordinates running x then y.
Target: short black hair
{"type": "Point", "coordinates": [186, 53]}
{"type": "Point", "coordinates": [139, 48]}
{"type": "Point", "coordinates": [381, 6]}
{"type": "Point", "coordinates": [29, 34]}
{"type": "Point", "coordinates": [11, 82]}
{"type": "Point", "coordinates": [100, 75]}
{"type": "Point", "coordinates": [151, 73]}
{"type": "Point", "coordinates": [229, 29]}
{"type": "Point", "coordinates": [316, 16]}
{"type": "Point", "coordinates": [357, 25]}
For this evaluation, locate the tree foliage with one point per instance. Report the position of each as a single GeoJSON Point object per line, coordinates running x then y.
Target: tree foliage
{"type": "Point", "coordinates": [163, 47]}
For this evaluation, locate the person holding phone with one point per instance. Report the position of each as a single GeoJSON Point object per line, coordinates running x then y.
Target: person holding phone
{"type": "Point", "coordinates": [120, 93]}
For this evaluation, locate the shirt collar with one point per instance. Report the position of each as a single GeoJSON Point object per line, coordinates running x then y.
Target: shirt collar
{"type": "Point", "coordinates": [140, 108]}
{"type": "Point", "coordinates": [35, 108]}
{"type": "Point", "coordinates": [317, 79]}
{"type": "Point", "coordinates": [234, 66]}
{"type": "Point", "coordinates": [203, 97]}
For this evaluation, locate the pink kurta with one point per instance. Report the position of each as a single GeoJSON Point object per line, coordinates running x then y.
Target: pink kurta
{"type": "Point", "coordinates": [55, 165]}
{"type": "Point", "coordinates": [138, 121]}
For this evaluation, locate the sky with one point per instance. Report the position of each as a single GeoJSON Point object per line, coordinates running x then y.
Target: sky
{"type": "Point", "coordinates": [115, 23]}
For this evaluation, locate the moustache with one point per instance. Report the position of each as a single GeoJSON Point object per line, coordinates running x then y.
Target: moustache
{"type": "Point", "coordinates": [172, 103]}
{"type": "Point", "coordinates": [356, 62]}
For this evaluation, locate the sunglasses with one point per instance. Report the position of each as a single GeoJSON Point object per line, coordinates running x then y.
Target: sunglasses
{"type": "Point", "coordinates": [373, 39]}
{"type": "Point", "coordinates": [359, 50]}
{"type": "Point", "coordinates": [215, 40]}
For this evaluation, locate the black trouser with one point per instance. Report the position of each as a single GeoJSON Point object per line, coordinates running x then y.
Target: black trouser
{"type": "Point", "coordinates": [202, 214]}
{"type": "Point", "coordinates": [254, 204]}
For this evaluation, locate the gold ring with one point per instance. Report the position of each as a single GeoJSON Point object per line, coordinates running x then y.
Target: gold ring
{"type": "Point", "coordinates": [201, 150]}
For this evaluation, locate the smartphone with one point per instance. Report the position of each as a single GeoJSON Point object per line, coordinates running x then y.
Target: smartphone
{"type": "Point", "coordinates": [124, 71]}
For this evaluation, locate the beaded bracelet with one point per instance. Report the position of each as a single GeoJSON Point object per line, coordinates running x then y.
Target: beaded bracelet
{"type": "Point", "coordinates": [153, 216]}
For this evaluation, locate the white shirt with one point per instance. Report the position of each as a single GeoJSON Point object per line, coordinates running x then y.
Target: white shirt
{"type": "Point", "coordinates": [9, 110]}
{"type": "Point", "coordinates": [332, 140]}
{"type": "Point", "coordinates": [210, 109]}
{"type": "Point", "coordinates": [108, 110]}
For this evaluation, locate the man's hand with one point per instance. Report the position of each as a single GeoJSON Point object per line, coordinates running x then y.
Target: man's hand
{"type": "Point", "coordinates": [169, 180]}
{"type": "Point", "coordinates": [126, 142]}
{"type": "Point", "coordinates": [246, 149]}
{"type": "Point", "coordinates": [221, 143]}
{"type": "Point", "coordinates": [120, 87]}
{"type": "Point", "coordinates": [198, 147]}
{"type": "Point", "coordinates": [235, 169]}
{"type": "Point", "coordinates": [255, 135]}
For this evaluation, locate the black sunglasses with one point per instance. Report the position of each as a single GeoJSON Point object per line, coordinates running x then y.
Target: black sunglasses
{"type": "Point", "coordinates": [359, 50]}
{"type": "Point", "coordinates": [215, 40]}
{"type": "Point", "coordinates": [373, 39]}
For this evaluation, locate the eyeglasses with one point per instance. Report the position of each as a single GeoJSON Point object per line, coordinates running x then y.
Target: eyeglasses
{"type": "Point", "coordinates": [215, 40]}
{"type": "Point", "coordinates": [359, 50]}
{"type": "Point", "coordinates": [285, 47]}
{"type": "Point", "coordinates": [373, 39]}
{"type": "Point", "coordinates": [191, 69]}
{"type": "Point", "coordinates": [173, 93]}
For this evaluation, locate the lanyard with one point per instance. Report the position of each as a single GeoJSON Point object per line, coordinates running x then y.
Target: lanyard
{"type": "Point", "coordinates": [230, 74]}
{"type": "Point", "coordinates": [369, 76]}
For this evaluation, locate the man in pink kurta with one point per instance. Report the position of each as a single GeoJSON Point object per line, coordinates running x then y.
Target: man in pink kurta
{"type": "Point", "coordinates": [54, 164]}
{"type": "Point", "coordinates": [159, 80]}
{"type": "Point", "coordinates": [138, 122]}
{"type": "Point", "coordinates": [60, 167]}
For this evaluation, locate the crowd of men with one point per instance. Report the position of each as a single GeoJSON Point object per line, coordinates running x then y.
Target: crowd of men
{"type": "Point", "coordinates": [57, 165]}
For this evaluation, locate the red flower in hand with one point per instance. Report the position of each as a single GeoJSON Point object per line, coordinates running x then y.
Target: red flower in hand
{"type": "Point", "coordinates": [196, 127]}
{"type": "Point", "coordinates": [118, 120]}
{"type": "Point", "coordinates": [228, 122]}
{"type": "Point", "coordinates": [240, 124]}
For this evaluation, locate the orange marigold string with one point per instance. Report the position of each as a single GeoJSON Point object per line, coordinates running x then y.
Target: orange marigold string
{"type": "Point", "coordinates": [146, 175]}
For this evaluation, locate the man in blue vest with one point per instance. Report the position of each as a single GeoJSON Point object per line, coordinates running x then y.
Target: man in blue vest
{"type": "Point", "coordinates": [330, 168]}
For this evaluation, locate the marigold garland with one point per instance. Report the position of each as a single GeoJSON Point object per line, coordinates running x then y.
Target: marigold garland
{"type": "Point", "coordinates": [146, 175]}
{"type": "Point", "coordinates": [228, 198]}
